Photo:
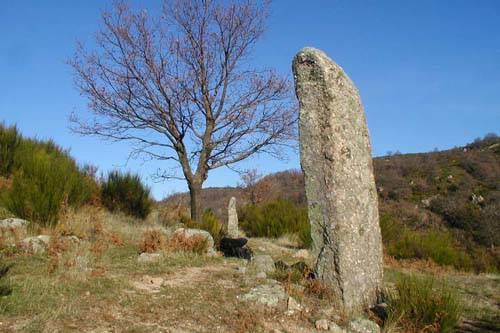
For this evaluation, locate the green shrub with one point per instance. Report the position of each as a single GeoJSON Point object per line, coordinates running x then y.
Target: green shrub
{"type": "Point", "coordinates": [391, 230]}
{"type": "Point", "coordinates": [439, 246]}
{"type": "Point", "coordinates": [45, 178]}
{"type": "Point", "coordinates": [420, 304]}
{"type": "Point", "coordinates": [9, 141]}
{"type": "Point", "coordinates": [126, 193]}
{"type": "Point", "coordinates": [209, 223]}
{"type": "Point", "coordinates": [274, 219]}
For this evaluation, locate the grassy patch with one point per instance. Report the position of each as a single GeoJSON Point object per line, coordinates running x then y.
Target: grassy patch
{"type": "Point", "coordinates": [422, 304]}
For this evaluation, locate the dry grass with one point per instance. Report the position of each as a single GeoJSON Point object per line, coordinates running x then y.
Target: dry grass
{"type": "Point", "coordinates": [88, 286]}
{"type": "Point", "coordinates": [153, 241]}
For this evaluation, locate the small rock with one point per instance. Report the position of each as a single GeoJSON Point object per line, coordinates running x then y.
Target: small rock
{"type": "Point", "coordinates": [293, 305]}
{"type": "Point", "coordinates": [477, 199]}
{"type": "Point", "coordinates": [361, 325]}
{"type": "Point", "coordinates": [262, 263]}
{"type": "Point", "coordinates": [15, 228]}
{"type": "Point", "coordinates": [145, 258]}
{"type": "Point", "coordinates": [36, 244]}
{"type": "Point", "coordinates": [14, 223]}
{"type": "Point", "coordinates": [269, 295]}
{"type": "Point", "coordinates": [261, 275]}
{"type": "Point", "coordinates": [322, 324]}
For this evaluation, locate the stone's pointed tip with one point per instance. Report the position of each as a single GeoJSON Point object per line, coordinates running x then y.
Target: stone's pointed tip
{"type": "Point", "coordinates": [310, 51]}
{"type": "Point", "coordinates": [308, 56]}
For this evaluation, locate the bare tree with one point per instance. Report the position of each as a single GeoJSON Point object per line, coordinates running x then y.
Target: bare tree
{"type": "Point", "coordinates": [180, 87]}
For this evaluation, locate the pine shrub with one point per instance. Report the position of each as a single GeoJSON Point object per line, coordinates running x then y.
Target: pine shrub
{"type": "Point", "coordinates": [126, 193]}
{"type": "Point", "coordinates": [9, 141]}
{"type": "Point", "coordinates": [45, 177]}
{"type": "Point", "coordinates": [276, 218]}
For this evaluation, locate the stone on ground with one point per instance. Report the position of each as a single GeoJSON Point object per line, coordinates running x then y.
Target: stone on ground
{"type": "Point", "coordinates": [36, 244]}
{"type": "Point", "coordinates": [13, 229]}
{"type": "Point", "coordinates": [187, 232]}
{"type": "Point", "coordinates": [335, 156]}
{"type": "Point", "coordinates": [262, 263]}
{"type": "Point", "coordinates": [269, 295]}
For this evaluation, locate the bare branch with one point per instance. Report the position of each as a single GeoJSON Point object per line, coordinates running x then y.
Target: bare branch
{"type": "Point", "coordinates": [180, 88]}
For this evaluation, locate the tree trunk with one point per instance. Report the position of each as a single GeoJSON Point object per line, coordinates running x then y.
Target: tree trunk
{"type": "Point", "coordinates": [196, 208]}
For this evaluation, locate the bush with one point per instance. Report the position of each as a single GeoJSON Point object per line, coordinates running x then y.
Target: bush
{"type": "Point", "coordinates": [9, 141]}
{"type": "Point", "coordinates": [275, 219]}
{"type": "Point", "coordinates": [391, 230]}
{"type": "Point", "coordinates": [45, 178]}
{"type": "Point", "coordinates": [419, 304]}
{"type": "Point", "coordinates": [209, 223]}
{"type": "Point", "coordinates": [438, 246]}
{"type": "Point", "coordinates": [126, 193]}
{"type": "Point", "coordinates": [180, 242]}
{"type": "Point", "coordinates": [153, 241]}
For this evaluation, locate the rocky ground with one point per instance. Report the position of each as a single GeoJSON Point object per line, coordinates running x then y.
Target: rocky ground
{"type": "Point", "coordinates": [99, 282]}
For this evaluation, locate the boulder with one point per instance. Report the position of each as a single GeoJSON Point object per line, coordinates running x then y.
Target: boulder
{"type": "Point", "coordinates": [187, 232]}
{"type": "Point", "coordinates": [13, 229]}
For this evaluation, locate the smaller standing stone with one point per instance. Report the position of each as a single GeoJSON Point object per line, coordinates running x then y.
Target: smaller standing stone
{"type": "Point", "coordinates": [232, 219]}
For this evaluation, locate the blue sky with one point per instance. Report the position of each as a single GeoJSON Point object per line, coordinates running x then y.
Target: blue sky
{"type": "Point", "coordinates": [428, 71]}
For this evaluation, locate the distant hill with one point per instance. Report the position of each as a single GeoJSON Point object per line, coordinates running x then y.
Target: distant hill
{"type": "Point", "coordinates": [457, 188]}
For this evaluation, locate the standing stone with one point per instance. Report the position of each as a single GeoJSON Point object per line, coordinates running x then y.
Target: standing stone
{"type": "Point", "coordinates": [232, 219]}
{"type": "Point", "coordinates": [335, 156]}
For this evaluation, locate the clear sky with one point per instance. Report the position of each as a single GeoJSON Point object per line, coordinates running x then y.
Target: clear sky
{"type": "Point", "coordinates": [428, 71]}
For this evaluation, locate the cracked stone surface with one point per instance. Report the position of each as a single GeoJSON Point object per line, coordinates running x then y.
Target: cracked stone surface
{"type": "Point", "coordinates": [335, 156]}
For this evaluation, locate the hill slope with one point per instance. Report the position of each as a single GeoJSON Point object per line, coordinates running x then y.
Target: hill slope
{"type": "Point", "coordinates": [456, 190]}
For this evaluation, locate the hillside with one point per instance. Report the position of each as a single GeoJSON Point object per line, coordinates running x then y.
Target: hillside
{"type": "Point", "coordinates": [456, 190]}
